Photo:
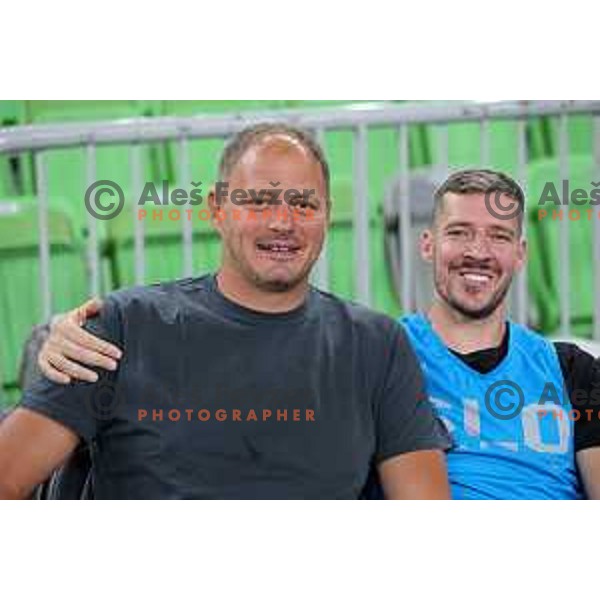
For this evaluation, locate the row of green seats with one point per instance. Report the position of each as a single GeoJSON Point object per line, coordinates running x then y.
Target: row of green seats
{"type": "Point", "coordinates": [66, 167]}
{"type": "Point", "coordinates": [160, 162]}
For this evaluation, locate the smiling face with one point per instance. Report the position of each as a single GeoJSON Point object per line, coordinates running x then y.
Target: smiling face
{"type": "Point", "coordinates": [270, 247]}
{"type": "Point", "coordinates": [474, 255]}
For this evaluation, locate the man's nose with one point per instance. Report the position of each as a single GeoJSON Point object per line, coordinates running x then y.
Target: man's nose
{"type": "Point", "coordinates": [478, 246]}
{"type": "Point", "coordinates": [281, 219]}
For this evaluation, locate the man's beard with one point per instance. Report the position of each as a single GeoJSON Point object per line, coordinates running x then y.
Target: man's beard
{"type": "Point", "coordinates": [276, 285]}
{"type": "Point", "coordinates": [474, 314]}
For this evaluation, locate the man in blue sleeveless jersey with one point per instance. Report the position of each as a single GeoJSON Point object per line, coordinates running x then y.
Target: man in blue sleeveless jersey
{"type": "Point", "coordinates": [503, 391]}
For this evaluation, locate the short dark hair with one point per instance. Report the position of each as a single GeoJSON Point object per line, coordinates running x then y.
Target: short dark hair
{"type": "Point", "coordinates": [485, 181]}
{"type": "Point", "coordinates": [250, 136]}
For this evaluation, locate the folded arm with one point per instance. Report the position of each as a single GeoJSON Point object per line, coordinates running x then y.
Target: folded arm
{"type": "Point", "coordinates": [31, 447]}
{"type": "Point", "coordinates": [419, 475]}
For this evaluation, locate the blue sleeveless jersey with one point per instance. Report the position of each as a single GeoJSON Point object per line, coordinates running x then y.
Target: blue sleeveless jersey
{"type": "Point", "coordinates": [502, 450]}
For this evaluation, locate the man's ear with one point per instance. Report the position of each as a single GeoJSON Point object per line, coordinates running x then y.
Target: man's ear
{"type": "Point", "coordinates": [521, 254]}
{"type": "Point", "coordinates": [426, 245]}
{"type": "Point", "coordinates": [328, 208]}
{"type": "Point", "coordinates": [216, 210]}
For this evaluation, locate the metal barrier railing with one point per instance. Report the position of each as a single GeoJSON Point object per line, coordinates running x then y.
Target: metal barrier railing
{"type": "Point", "coordinates": [42, 139]}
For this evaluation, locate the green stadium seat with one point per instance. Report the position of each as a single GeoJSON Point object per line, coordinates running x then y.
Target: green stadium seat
{"type": "Point", "coordinates": [12, 112]}
{"type": "Point", "coordinates": [540, 304]}
{"type": "Point", "coordinates": [383, 165]}
{"type": "Point", "coordinates": [340, 252]}
{"type": "Point", "coordinates": [20, 304]}
{"type": "Point", "coordinates": [538, 142]}
{"type": "Point", "coordinates": [464, 146]}
{"type": "Point", "coordinates": [163, 246]}
{"type": "Point", "coordinates": [544, 241]}
{"type": "Point", "coordinates": [205, 153]}
{"type": "Point", "coordinates": [47, 111]}
{"type": "Point", "coordinates": [383, 145]}
{"type": "Point", "coordinates": [464, 143]}
{"type": "Point", "coordinates": [15, 169]}
{"type": "Point", "coordinates": [6, 178]}
{"type": "Point", "coordinates": [67, 167]}
{"type": "Point", "coordinates": [581, 131]}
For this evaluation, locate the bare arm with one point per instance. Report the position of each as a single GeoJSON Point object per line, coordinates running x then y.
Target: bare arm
{"type": "Point", "coordinates": [419, 475]}
{"type": "Point", "coordinates": [588, 462]}
{"type": "Point", "coordinates": [31, 447]}
{"type": "Point", "coordinates": [69, 346]}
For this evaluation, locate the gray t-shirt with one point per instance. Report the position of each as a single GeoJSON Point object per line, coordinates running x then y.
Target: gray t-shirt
{"type": "Point", "coordinates": [213, 400]}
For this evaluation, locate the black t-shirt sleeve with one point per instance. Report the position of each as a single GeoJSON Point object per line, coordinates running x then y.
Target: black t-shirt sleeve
{"type": "Point", "coordinates": [581, 372]}
{"type": "Point", "coordinates": [80, 405]}
{"type": "Point", "coordinates": [405, 418]}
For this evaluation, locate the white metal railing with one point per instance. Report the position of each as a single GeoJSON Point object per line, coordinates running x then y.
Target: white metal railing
{"type": "Point", "coordinates": [43, 139]}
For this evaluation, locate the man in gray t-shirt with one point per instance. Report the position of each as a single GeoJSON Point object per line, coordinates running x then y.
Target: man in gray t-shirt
{"type": "Point", "coordinates": [213, 400]}
{"type": "Point", "coordinates": [246, 384]}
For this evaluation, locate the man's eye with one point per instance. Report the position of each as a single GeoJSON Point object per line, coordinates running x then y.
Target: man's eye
{"type": "Point", "coordinates": [501, 237]}
{"type": "Point", "coordinates": [298, 203]}
{"type": "Point", "coordinates": [302, 203]}
{"type": "Point", "coordinates": [457, 232]}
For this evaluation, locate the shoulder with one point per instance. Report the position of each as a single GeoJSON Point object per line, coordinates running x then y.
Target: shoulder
{"type": "Point", "coordinates": [142, 304]}
{"type": "Point", "coordinates": [166, 297]}
{"type": "Point", "coordinates": [571, 354]}
{"type": "Point", "coordinates": [581, 372]}
{"type": "Point", "coordinates": [159, 292]}
{"type": "Point", "coordinates": [580, 368]}
{"type": "Point", "coordinates": [532, 344]}
{"type": "Point", "coordinates": [528, 338]}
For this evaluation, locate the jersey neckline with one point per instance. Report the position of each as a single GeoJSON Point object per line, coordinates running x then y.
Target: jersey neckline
{"type": "Point", "coordinates": [442, 348]}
